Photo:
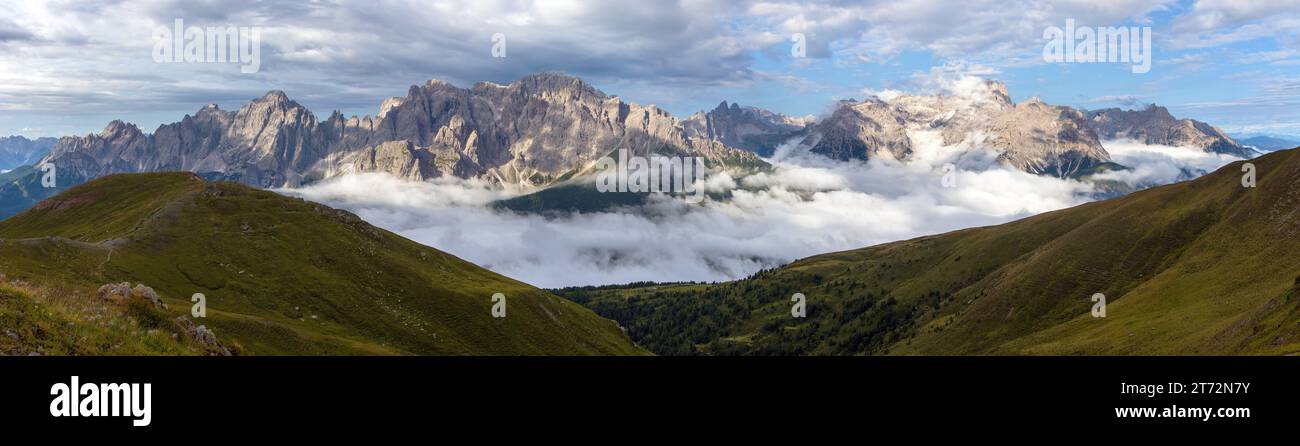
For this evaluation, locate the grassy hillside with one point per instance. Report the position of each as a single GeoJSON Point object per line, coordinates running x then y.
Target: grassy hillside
{"type": "Point", "coordinates": [1201, 267]}
{"type": "Point", "coordinates": [281, 276]}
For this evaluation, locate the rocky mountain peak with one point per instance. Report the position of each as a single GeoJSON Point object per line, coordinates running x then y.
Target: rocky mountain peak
{"type": "Point", "coordinates": [1033, 102]}
{"type": "Point", "coordinates": [1158, 111]}
{"type": "Point", "coordinates": [561, 84]}
{"type": "Point", "coordinates": [753, 129]}
{"type": "Point", "coordinates": [388, 105]}
{"type": "Point", "coordinates": [118, 128]}
{"type": "Point", "coordinates": [999, 90]}
{"type": "Point", "coordinates": [275, 97]}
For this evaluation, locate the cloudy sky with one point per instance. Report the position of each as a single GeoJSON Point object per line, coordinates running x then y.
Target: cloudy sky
{"type": "Point", "coordinates": [68, 67]}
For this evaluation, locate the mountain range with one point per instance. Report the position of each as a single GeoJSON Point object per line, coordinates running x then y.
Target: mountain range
{"type": "Point", "coordinates": [1202, 267]}
{"type": "Point", "coordinates": [548, 125]}
{"type": "Point", "coordinates": [1269, 143]}
{"type": "Point", "coordinates": [529, 133]}
{"type": "Point", "coordinates": [1032, 136]}
{"type": "Point", "coordinates": [545, 131]}
{"type": "Point", "coordinates": [1154, 125]}
{"type": "Point", "coordinates": [16, 151]}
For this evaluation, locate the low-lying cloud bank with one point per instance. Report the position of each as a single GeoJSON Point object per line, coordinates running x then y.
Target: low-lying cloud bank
{"type": "Point", "coordinates": [1155, 164]}
{"type": "Point", "coordinates": [808, 205]}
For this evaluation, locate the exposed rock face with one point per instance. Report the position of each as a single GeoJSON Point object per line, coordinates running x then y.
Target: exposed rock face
{"type": "Point", "coordinates": [1031, 136]}
{"type": "Point", "coordinates": [399, 158]}
{"type": "Point", "coordinates": [1045, 139]}
{"type": "Point", "coordinates": [19, 151]}
{"type": "Point", "coordinates": [750, 128]}
{"type": "Point", "coordinates": [1154, 125]}
{"type": "Point", "coordinates": [531, 132]}
{"type": "Point", "coordinates": [862, 130]}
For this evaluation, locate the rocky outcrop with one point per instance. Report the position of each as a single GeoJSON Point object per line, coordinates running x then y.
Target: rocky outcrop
{"type": "Point", "coordinates": [123, 293]}
{"type": "Point", "coordinates": [118, 293]}
{"type": "Point", "coordinates": [862, 130]}
{"type": "Point", "coordinates": [1155, 125]}
{"type": "Point", "coordinates": [148, 294]}
{"type": "Point", "coordinates": [531, 132]}
{"type": "Point", "coordinates": [202, 335]}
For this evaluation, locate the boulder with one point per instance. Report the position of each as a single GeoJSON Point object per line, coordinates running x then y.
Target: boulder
{"type": "Point", "coordinates": [209, 339]}
{"type": "Point", "coordinates": [204, 335]}
{"type": "Point", "coordinates": [147, 293]}
{"type": "Point", "coordinates": [118, 293]}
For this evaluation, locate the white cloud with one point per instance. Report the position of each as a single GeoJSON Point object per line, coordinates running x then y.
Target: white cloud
{"type": "Point", "coordinates": [808, 205]}
{"type": "Point", "coordinates": [1152, 164]}
{"type": "Point", "coordinates": [1218, 22]}
{"type": "Point", "coordinates": [979, 29]}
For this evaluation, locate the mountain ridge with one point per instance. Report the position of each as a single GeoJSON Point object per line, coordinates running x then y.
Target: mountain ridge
{"type": "Point", "coordinates": [750, 128]}
{"type": "Point", "coordinates": [527, 133]}
{"type": "Point", "coordinates": [16, 151]}
{"type": "Point", "coordinates": [1155, 125]}
{"type": "Point", "coordinates": [543, 130]}
{"type": "Point", "coordinates": [1030, 135]}
{"type": "Point", "coordinates": [1266, 143]}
